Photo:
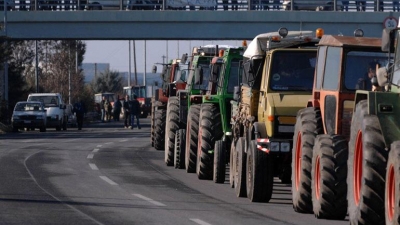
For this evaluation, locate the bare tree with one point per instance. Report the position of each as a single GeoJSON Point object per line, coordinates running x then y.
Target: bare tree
{"type": "Point", "coordinates": [108, 81]}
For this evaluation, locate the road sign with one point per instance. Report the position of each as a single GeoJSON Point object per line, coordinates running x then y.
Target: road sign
{"type": "Point", "coordinates": [390, 22]}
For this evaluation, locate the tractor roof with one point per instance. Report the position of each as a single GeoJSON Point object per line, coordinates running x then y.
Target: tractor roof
{"type": "Point", "coordinates": [350, 41]}
{"type": "Point", "coordinates": [264, 42]}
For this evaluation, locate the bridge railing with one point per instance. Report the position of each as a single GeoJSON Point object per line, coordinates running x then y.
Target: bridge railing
{"type": "Point", "coordinates": [215, 5]}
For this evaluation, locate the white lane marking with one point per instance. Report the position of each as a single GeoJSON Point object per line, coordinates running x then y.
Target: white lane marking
{"type": "Point", "coordinates": [108, 180]}
{"type": "Point", "coordinates": [90, 156]}
{"type": "Point", "coordinates": [108, 143]}
{"type": "Point", "coordinates": [96, 150]}
{"type": "Point", "coordinates": [149, 200]}
{"type": "Point", "coordinates": [199, 221]}
{"type": "Point", "coordinates": [123, 140]}
{"type": "Point", "coordinates": [93, 166]}
{"type": "Point", "coordinates": [99, 146]}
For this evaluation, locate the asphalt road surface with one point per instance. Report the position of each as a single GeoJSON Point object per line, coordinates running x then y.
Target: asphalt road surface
{"type": "Point", "coordinates": [105, 174]}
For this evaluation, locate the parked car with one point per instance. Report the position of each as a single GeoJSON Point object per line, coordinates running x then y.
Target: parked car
{"type": "Point", "coordinates": [29, 115]}
{"type": "Point", "coordinates": [312, 5]}
{"type": "Point", "coordinates": [69, 110]}
{"type": "Point", "coordinates": [55, 109]}
{"type": "Point", "coordinates": [104, 4]}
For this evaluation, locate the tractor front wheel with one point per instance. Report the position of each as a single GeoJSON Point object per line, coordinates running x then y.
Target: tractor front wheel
{"type": "Point", "coordinates": [366, 169]}
{"type": "Point", "coordinates": [329, 172]}
{"type": "Point", "coordinates": [392, 195]}
{"type": "Point", "coordinates": [308, 126]}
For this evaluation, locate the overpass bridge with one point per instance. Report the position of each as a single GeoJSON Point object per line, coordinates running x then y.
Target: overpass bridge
{"type": "Point", "coordinates": [181, 25]}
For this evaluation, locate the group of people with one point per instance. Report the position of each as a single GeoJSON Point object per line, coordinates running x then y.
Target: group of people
{"type": "Point", "coordinates": [131, 111]}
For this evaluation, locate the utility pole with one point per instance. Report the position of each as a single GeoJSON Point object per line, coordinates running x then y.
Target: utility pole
{"type": "Point", "coordinates": [144, 75]}
{"type": "Point", "coordinates": [134, 61]}
{"type": "Point", "coordinates": [129, 77]}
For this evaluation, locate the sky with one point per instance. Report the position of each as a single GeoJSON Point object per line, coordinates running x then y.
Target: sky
{"type": "Point", "coordinates": [116, 53]}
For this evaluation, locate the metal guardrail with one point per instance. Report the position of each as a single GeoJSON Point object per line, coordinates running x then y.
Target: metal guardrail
{"type": "Point", "coordinates": [220, 5]}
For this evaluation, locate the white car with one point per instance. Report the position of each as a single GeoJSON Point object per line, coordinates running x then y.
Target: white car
{"type": "Point", "coordinates": [312, 5]}
{"type": "Point", "coordinates": [55, 109]}
{"type": "Point", "coordinates": [29, 115]}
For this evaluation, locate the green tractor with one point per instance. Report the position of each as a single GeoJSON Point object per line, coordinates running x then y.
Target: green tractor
{"type": "Point", "coordinates": [177, 106]}
{"type": "Point", "coordinates": [374, 148]}
{"type": "Point", "coordinates": [214, 130]}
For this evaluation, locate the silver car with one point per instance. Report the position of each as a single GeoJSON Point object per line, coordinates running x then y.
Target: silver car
{"type": "Point", "coordinates": [312, 5]}
{"type": "Point", "coordinates": [29, 115]}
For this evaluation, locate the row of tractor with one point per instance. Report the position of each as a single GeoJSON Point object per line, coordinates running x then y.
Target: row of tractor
{"type": "Point", "coordinates": [317, 111]}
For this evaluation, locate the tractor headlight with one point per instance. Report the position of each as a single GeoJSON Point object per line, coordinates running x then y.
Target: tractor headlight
{"type": "Point", "coordinates": [274, 147]}
{"type": "Point", "coordinates": [285, 147]}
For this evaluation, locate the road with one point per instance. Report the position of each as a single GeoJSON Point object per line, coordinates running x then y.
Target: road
{"type": "Point", "coordinates": [106, 174]}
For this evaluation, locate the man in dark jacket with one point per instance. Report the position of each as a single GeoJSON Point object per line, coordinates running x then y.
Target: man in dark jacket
{"type": "Point", "coordinates": [79, 110]}
{"type": "Point", "coordinates": [117, 109]}
{"type": "Point", "coordinates": [134, 106]}
{"type": "Point", "coordinates": [127, 112]}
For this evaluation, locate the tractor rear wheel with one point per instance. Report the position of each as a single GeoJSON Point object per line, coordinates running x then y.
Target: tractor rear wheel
{"type": "Point", "coordinates": [159, 129]}
{"type": "Point", "coordinates": [171, 126]}
{"type": "Point", "coordinates": [308, 126]}
{"type": "Point", "coordinates": [240, 168]}
{"type": "Point", "coordinates": [192, 130]}
{"type": "Point", "coordinates": [329, 172]}
{"type": "Point", "coordinates": [260, 174]}
{"type": "Point", "coordinates": [210, 129]}
{"type": "Point", "coordinates": [219, 162]}
{"type": "Point", "coordinates": [179, 158]}
{"type": "Point", "coordinates": [392, 195]}
{"type": "Point", "coordinates": [366, 169]}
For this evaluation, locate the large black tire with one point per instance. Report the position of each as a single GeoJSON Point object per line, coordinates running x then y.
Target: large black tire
{"type": "Point", "coordinates": [308, 126]}
{"type": "Point", "coordinates": [240, 168]}
{"type": "Point", "coordinates": [329, 172]}
{"type": "Point", "coordinates": [366, 169]}
{"type": "Point", "coordinates": [259, 174]}
{"type": "Point", "coordinates": [179, 158]}
{"type": "Point", "coordinates": [152, 118]}
{"type": "Point", "coordinates": [171, 126]}
{"type": "Point", "coordinates": [210, 130]}
{"type": "Point", "coordinates": [219, 162]}
{"type": "Point", "coordinates": [159, 129]}
{"type": "Point", "coordinates": [232, 165]}
{"type": "Point", "coordinates": [392, 194]}
{"type": "Point", "coordinates": [192, 130]}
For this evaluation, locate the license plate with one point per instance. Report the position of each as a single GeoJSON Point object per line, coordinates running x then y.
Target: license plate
{"type": "Point", "coordinates": [27, 121]}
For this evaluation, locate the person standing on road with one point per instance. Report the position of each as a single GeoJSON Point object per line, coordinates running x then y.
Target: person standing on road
{"type": "Point", "coordinates": [107, 108]}
{"type": "Point", "coordinates": [103, 111]}
{"type": "Point", "coordinates": [127, 120]}
{"type": "Point", "coordinates": [117, 109]}
{"type": "Point", "coordinates": [135, 112]}
{"type": "Point", "coordinates": [79, 110]}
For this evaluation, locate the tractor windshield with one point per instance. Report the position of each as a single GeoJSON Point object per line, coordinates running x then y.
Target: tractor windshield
{"type": "Point", "coordinates": [292, 70]}
{"type": "Point", "coordinates": [234, 75]}
{"type": "Point", "coordinates": [360, 67]}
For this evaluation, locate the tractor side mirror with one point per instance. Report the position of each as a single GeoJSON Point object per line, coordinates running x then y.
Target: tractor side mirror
{"type": "Point", "coordinates": [388, 39]}
{"type": "Point", "coordinates": [184, 58]}
{"type": "Point", "coordinates": [236, 92]}
{"type": "Point", "coordinates": [154, 69]}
